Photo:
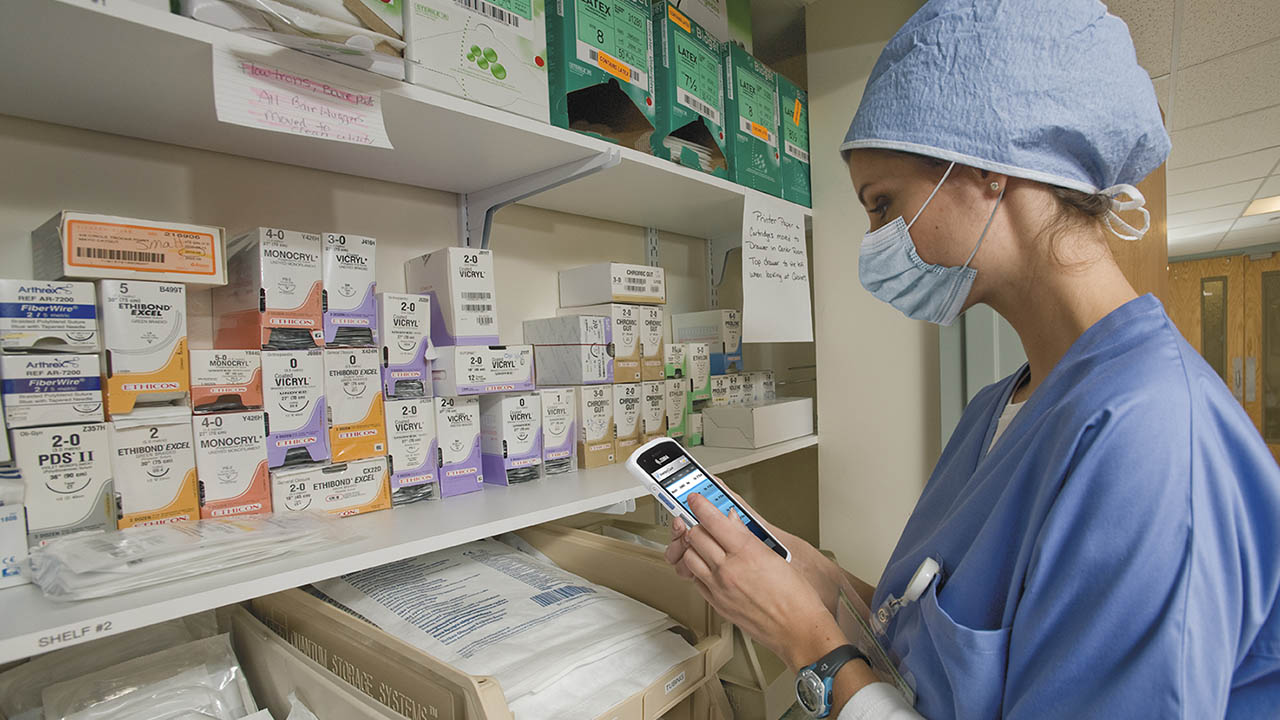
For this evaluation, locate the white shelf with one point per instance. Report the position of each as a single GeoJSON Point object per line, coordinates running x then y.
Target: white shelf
{"type": "Point", "coordinates": [130, 70]}
{"type": "Point", "coordinates": [32, 624]}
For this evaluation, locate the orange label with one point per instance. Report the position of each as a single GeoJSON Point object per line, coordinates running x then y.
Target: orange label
{"type": "Point", "coordinates": [613, 66]}
{"type": "Point", "coordinates": [795, 116]}
{"type": "Point", "coordinates": [142, 248]}
{"type": "Point", "coordinates": [760, 131]}
{"type": "Point", "coordinates": [678, 18]}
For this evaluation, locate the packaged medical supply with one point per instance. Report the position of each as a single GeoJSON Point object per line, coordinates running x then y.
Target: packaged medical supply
{"type": "Point", "coordinates": [412, 450]}
{"type": "Point", "coordinates": [231, 464]}
{"type": "Point", "coordinates": [67, 472]}
{"type": "Point", "coordinates": [559, 430]}
{"type": "Point", "coordinates": [85, 245]}
{"type": "Point", "coordinates": [689, 126]}
{"type": "Point", "coordinates": [698, 360]}
{"type": "Point", "coordinates": [653, 332]}
{"type": "Point", "coordinates": [294, 400]}
{"type": "Point", "coordinates": [350, 316]}
{"type": "Point", "coordinates": [511, 437]}
{"type": "Point", "coordinates": [653, 409]}
{"type": "Point", "coordinates": [404, 328]}
{"type": "Point", "coordinates": [596, 432]}
{"type": "Point", "coordinates": [383, 16]}
{"type": "Point", "coordinates": [48, 316]}
{"type": "Point", "coordinates": [144, 332]}
{"type": "Point", "coordinates": [722, 329]}
{"type": "Point", "coordinates": [91, 565]}
{"type": "Point", "coordinates": [628, 401]}
{"type": "Point", "coordinates": [479, 369]}
{"type": "Point", "coordinates": [492, 53]}
{"type": "Point", "coordinates": [746, 388]}
{"type": "Point", "coordinates": [51, 389]}
{"type": "Point", "coordinates": [458, 430]}
{"type": "Point", "coordinates": [719, 391]}
{"type": "Point", "coordinates": [751, 102]}
{"type": "Point", "coordinates": [758, 425]}
{"type": "Point", "coordinates": [758, 386]}
{"type": "Point", "coordinates": [693, 436]}
{"type": "Point", "coordinates": [675, 364]}
{"type": "Point", "coordinates": [13, 535]}
{"type": "Point", "coordinates": [604, 283]}
{"type": "Point", "coordinates": [794, 110]}
{"type": "Point", "coordinates": [353, 395]}
{"type": "Point", "coordinates": [766, 385]}
{"type": "Point", "coordinates": [352, 488]}
{"type": "Point", "coordinates": [154, 468]}
{"type": "Point", "coordinates": [623, 336]}
{"type": "Point", "coordinates": [226, 380]}
{"type": "Point", "coordinates": [460, 282]}
{"type": "Point", "coordinates": [737, 391]}
{"type": "Point", "coordinates": [571, 349]}
{"type": "Point", "coordinates": [678, 405]}
{"type": "Point", "coordinates": [273, 298]}
{"type": "Point", "coordinates": [710, 14]}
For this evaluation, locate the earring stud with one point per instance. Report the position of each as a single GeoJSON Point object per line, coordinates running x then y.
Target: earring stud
{"type": "Point", "coordinates": [995, 186]}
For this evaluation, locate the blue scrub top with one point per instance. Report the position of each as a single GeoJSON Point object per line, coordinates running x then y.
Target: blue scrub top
{"type": "Point", "coordinates": [1116, 554]}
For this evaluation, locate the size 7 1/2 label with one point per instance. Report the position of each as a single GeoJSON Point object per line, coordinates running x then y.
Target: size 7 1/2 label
{"type": "Point", "coordinates": [697, 78]}
{"type": "Point", "coordinates": [96, 244]}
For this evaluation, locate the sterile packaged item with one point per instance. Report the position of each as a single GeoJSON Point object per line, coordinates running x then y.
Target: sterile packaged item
{"type": "Point", "coordinates": [13, 538]}
{"type": "Point", "coordinates": [737, 394]}
{"type": "Point", "coordinates": [559, 430]}
{"type": "Point", "coordinates": [67, 472]}
{"type": "Point", "coordinates": [746, 388]}
{"type": "Point", "coordinates": [758, 425]}
{"type": "Point", "coordinates": [273, 298]}
{"type": "Point", "coordinates": [413, 450]}
{"type": "Point", "coordinates": [693, 436]}
{"type": "Point", "coordinates": [482, 369]}
{"type": "Point", "coordinates": [490, 52]}
{"type": "Point", "coordinates": [463, 295]}
{"type": "Point", "coordinates": [294, 400]}
{"type": "Point", "coordinates": [85, 245]}
{"type": "Point", "coordinates": [350, 316]}
{"type": "Point", "coordinates": [48, 316]}
{"type": "Point", "coordinates": [353, 395]}
{"type": "Point", "coordinates": [653, 409]}
{"type": "Point", "coordinates": [51, 389]}
{"type": "Point", "coordinates": [596, 431]}
{"type": "Point", "coordinates": [623, 336]}
{"type": "Point", "coordinates": [383, 16]}
{"type": "Point", "coordinates": [226, 380]}
{"type": "Point", "coordinates": [653, 332]}
{"type": "Point", "coordinates": [751, 102]}
{"type": "Point", "coordinates": [628, 402]}
{"type": "Point", "coordinates": [458, 430]}
{"type": "Point", "coordinates": [231, 464]}
{"type": "Point", "coordinates": [511, 437]}
{"type": "Point", "coordinates": [404, 327]}
{"type": "Point", "coordinates": [675, 364]}
{"type": "Point", "coordinates": [571, 349]}
{"type": "Point", "coordinates": [154, 468]}
{"type": "Point", "coordinates": [765, 382]}
{"type": "Point", "coordinates": [604, 283]}
{"type": "Point", "coordinates": [677, 406]}
{"type": "Point", "coordinates": [721, 329]}
{"type": "Point", "coordinates": [352, 488]}
{"type": "Point", "coordinates": [719, 391]}
{"type": "Point", "coordinates": [793, 104]}
{"type": "Point", "coordinates": [698, 359]}
{"type": "Point", "coordinates": [689, 125]}
{"type": "Point", "coordinates": [144, 332]}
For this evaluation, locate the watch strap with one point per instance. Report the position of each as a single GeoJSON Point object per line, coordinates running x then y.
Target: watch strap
{"type": "Point", "coordinates": [830, 664]}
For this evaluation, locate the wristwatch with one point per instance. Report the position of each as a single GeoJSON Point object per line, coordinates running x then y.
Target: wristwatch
{"type": "Point", "coordinates": [813, 684]}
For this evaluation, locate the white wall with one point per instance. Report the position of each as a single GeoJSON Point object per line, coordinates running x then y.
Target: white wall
{"type": "Point", "coordinates": [878, 372]}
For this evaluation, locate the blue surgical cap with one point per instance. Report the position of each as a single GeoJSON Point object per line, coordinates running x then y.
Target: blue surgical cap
{"type": "Point", "coordinates": [1047, 90]}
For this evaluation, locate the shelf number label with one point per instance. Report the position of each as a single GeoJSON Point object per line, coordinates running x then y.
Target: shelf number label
{"type": "Point", "coordinates": [74, 635]}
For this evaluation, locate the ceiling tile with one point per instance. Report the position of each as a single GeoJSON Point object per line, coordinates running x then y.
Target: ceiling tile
{"type": "Point", "coordinates": [1161, 85]}
{"type": "Point", "coordinates": [1254, 222]}
{"type": "Point", "coordinates": [1213, 28]}
{"type": "Point", "coordinates": [1248, 237]}
{"type": "Point", "coordinates": [1271, 187]}
{"type": "Point", "coordinates": [1213, 197]}
{"type": "Point", "coordinates": [1231, 85]}
{"type": "Point", "coordinates": [1151, 26]}
{"type": "Point", "coordinates": [1193, 246]}
{"type": "Point", "coordinates": [1223, 172]}
{"type": "Point", "coordinates": [1198, 217]}
{"type": "Point", "coordinates": [1214, 230]}
{"type": "Point", "coordinates": [1224, 138]}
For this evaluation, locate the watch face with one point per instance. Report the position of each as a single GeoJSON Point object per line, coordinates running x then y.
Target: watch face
{"type": "Point", "coordinates": [811, 692]}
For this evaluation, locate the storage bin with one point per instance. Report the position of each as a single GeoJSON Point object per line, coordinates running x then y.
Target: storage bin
{"type": "Point", "coordinates": [759, 685]}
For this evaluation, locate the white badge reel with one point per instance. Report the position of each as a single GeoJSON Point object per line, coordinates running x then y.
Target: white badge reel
{"type": "Point", "coordinates": [925, 574]}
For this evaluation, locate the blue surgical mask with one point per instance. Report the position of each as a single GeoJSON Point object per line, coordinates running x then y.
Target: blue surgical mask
{"type": "Point", "coordinates": [891, 270]}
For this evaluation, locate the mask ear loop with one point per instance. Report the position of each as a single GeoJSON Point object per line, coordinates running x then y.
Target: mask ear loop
{"type": "Point", "coordinates": [935, 192]}
{"type": "Point", "coordinates": [986, 227]}
{"type": "Point", "coordinates": [1135, 202]}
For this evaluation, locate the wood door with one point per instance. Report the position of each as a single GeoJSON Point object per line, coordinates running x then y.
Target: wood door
{"type": "Point", "coordinates": [1262, 348]}
{"type": "Point", "coordinates": [1207, 301]}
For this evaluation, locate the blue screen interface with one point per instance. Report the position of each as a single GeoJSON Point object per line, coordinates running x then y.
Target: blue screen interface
{"type": "Point", "coordinates": [682, 478]}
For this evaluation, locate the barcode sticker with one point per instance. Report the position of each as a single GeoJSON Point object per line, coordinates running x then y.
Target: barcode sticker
{"type": "Point", "coordinates": [691, 101]}
{"type": "Point", "coordinates": [551, 597]}
{"type": "Point", "coordinates": [477, 308]}
{"type": "Point", "coordinates": [476, 295]}
{"type": "Point", "coordinates": [485, 321]}
{"type": "Point", "coordinates": [126, 255]}
{"type": "Point", "coordinates": [488, 10]}
{"type": "Point", "coordinates": [796, 152]}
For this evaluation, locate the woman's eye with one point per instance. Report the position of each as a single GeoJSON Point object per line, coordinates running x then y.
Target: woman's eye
{"type": "Point", "coordinates": [882, 206]}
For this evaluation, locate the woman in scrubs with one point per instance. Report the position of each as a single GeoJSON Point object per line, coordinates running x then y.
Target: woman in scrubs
{"type": "Point", "coordinates": [1105, 522]}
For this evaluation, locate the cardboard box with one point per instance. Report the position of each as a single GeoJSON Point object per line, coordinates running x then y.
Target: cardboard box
{"type": "Point", "coordinates": [678, 405]}
{"type": "Point", "coordinates": [596, 431]}
{"type": "Point", "coordinates": [412, 449]}
{"type": "Point", "coordinates": [51, 389]}
{"type": "Point", "coordinates": [493, 52]}
{"type": "Point", "coordinates": [653, 334]}
{"type": "Point", "coordinates": [622, 335]}
{"type": "Point", "coordinates": [653, 409]}
{"type": "Point", "coordinates": [231, 464]}
{"type": "Point", "coordinates": [751, 102]}
{"type": "Point", "coordinates": [294, 400]}
{"type": "Point", "coordinates": [758, 426]}
{"type": "Point", "coordinates": [689, 124]}
{"type": "Point", "coordinates": [48, 316]}
{"type": "Point", "coordinates": [479, 369]}
{"type": "Point", "coordinates": [511, 437]}
{"type": "Point", "coordinates": [793, 105]}
{"type": "Point", "coordinates": [349, 282]}
{"type": "Point", "coordinates": [698, 356]}
{"type": "Point", "coordinates": [404, 328]}
{"type": "Point", "coordinates": [352, 488]}
{"type": "Point", "coordinates": [675, 364]}
{"type": "Point", "coordinates": [461, 285]}
{"type": "Point", "coordinates": [67, 472]}
{"type": "Point", "coordinates": [628, 405]}
{"type": "Point", "coordinates": [226, 380]}
{"type": "Point", "coordinates": [144, 332]}
{"type": "Point", "coordinates": [274, 296]}
{"type": "Point", "coordinates": [154, 467]}
{"type": "Point", "coordinates": [559, 430]}
{"type": "Point", "coordinates": [604, 283]}
{"type": "Point", "coordinates": [89, 246]}
{"type": "Point", "coordinates": [571, 349]}
{"type": "Point", "coordinates": [458, 428]}
{"type": "Point", "coordinates": [693, 436]}
{"type": "Point", "coordinates": [353, 396]}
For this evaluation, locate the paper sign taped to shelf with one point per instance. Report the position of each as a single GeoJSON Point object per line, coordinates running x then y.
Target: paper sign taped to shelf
{"type": "Point", "coordinates": [249, 92]}
{"type": "Point", "coordinates": [775, 272]}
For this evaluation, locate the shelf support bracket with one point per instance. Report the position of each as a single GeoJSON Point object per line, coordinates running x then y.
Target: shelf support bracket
{"type": "Point", "coordinates": [476, 209]}
{"type": "Point", "coordinates": [717, 260]}
{"type": "Point", "coordinates": [651, 257]}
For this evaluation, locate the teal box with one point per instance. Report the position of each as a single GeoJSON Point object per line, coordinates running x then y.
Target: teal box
{"type": "Point", "coordinates": [751, 101]}
{"type": "Point", "coordinates": [600, 68]}
{"type": "Point", "coordinates": [794, 131]}
{"type": "Point", "coordinates": [689, 126]}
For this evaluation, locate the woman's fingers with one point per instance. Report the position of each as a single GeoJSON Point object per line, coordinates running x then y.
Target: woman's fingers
{"type": "Point", "coordinates": [701, 542]}
{"type": "Point", "coordinates": [728, 532]}
{"type": "Point", "coordinates": [696, 566]}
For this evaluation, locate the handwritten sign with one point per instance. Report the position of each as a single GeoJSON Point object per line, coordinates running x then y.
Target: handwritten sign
{"type": "Point", "coordinates": [775, 272]}
{"type": "Point", "coordinates": [252, 93]}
